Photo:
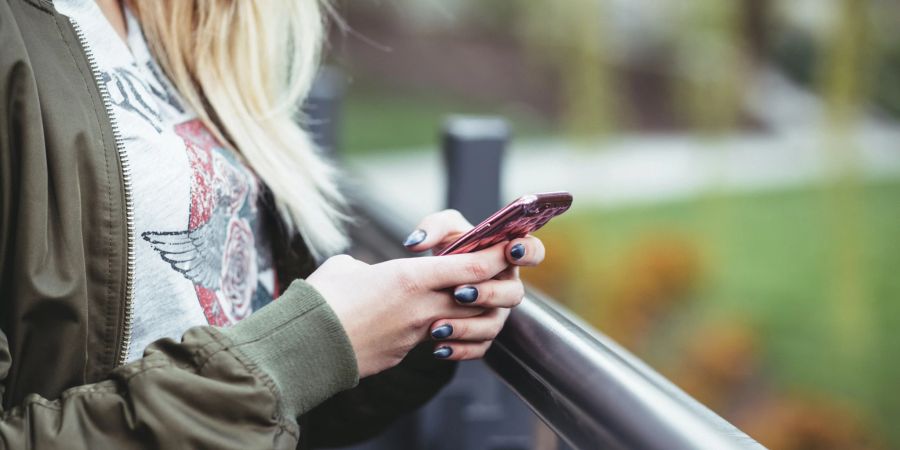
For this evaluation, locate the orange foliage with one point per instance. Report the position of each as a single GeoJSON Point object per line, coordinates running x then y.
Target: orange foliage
{"type": "Point", "coordinates": [721, 363]}
{"type": "Point", "coordinates": [555, 275]}
{"type": "Point", "coordinates": [654, 277]}
{"type": "Point", "coordinates": [719, 360]}
{"type": "Point", "coordinates": [800, 423]}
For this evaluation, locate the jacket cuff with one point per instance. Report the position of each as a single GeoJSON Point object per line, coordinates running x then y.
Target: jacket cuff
{"type": "Point", "coordinates": [299, 342]}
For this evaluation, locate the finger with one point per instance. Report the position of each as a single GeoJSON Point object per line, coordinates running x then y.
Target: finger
{"type": "Point", "coordinates": [509, 273]}
{"type": "Point", "coordinates": [484, 327]}
{"type": "Point", "coordinates": [526, 251]}
{"type": "Point", "coordinates": [446, 308]}
{"type": "Point", "coordinates": [491, 294]}
{"type": "Point", "coordinates": [459, 351]}
{"type": "Point", "coordinates": [450, 271]}
{"type": "Point", "coordinates": [437, 228]}
{"type": "Point", "coordinates": [436, 306]}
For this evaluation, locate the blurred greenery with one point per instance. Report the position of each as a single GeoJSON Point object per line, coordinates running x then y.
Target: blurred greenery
{"type": "Point", "coordinates": [763, 258]}
{"type": "Point", "coordinates": [871, 28]}
{"type": "Point", "coordinates": [777, 309]}
{"type": "Point", "coordinates": [383, 119]}
{"type": "Point", "coordinates": [572, 41]}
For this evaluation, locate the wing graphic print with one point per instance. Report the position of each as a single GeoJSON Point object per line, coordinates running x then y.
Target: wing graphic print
{"type": "Point", "coordinates": [197, 253]}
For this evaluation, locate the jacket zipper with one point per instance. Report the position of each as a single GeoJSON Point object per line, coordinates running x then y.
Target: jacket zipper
{"type": "Point", "coordinates": [126, 179]}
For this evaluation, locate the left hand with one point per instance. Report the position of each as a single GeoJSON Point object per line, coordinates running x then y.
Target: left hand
{"type": "Point", "coordinates": [469, 338]}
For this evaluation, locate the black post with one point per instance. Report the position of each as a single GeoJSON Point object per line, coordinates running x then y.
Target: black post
{"type": "Point", "coordinates": [475, 411]}
{"type": "Point", "coordinates": [473, 154]}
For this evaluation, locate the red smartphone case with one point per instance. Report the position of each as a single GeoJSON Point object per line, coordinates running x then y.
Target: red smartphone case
{"type": "Point", "coordinates": [525, 215]}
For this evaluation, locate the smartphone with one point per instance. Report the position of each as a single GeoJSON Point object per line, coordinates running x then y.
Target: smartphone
{"type": "Point", "coordinates": [525, 215]}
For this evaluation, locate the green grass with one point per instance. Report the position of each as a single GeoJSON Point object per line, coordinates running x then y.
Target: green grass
{"type": "Point", "coordinates": [380, 119]}
{"type": "Point", "coordinates": [774, 260]}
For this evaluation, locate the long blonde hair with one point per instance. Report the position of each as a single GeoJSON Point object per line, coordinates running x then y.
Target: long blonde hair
{"type": "Point", "coordinates": [244, 67]}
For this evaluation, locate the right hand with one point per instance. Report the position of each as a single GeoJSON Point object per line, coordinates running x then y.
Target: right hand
{"type": "Point", "coordinates": [387, 308]}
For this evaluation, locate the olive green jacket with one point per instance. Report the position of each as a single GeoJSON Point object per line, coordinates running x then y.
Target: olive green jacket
{"type": "Point", "coordinates": [65, 272]}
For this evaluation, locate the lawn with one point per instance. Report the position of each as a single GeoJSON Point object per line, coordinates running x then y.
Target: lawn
{"type": "Point", "coordinates": [813, 274]}
{"type": "Point", "coordinates": [379, 119]}
{"type": "Point", "coordinates": [788, 298]}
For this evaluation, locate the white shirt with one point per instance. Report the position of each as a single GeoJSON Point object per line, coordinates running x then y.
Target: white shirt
{"type": "Point", "coordinates": [201, 257]}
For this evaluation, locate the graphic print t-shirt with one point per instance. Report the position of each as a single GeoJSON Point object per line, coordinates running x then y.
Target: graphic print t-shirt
{"type": "Point", "coordinates": [201, 257]}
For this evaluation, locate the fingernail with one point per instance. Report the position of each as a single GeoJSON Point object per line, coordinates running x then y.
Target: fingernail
{"type": "Point", "coordinates": [466, 294]}
{"type": "Point", "coordinates": [517, 251]}
{"type": "Point", "coordinates": [415, 237]}
{"type": "Point", "coordinates": [442, 332]}
{"type": "Point", "coordinates": [443, 352]}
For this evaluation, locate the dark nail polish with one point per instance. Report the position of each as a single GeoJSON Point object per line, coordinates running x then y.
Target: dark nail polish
{"type": "Point", "coordinates": [443, 352]}
{"type": "Point", "coordinates": [466, 294]}
{"type": "Point", "coordinates": [416, 237]}
{"type": "Point", "coordinates": [517, 251]}
{"type": "Point", "coordinates": [442, 332]}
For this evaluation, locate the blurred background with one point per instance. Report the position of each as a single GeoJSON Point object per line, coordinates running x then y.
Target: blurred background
{"type": "Point", "coordinates": [736, 172]}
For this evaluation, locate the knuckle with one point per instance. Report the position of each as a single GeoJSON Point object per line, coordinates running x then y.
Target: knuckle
{"type": "Point", "coordinates": [407, 282]}
{"type": "Point", "coordinates": [479, 351]}
{"type": "Point", "coordinates": [488, 295]}
{"type": "Point", "coordinates": [457, 219]}
{"type": "Point", "coordinates": [496, 329]}
{"type": "Point", "coordinates": [519, 293]}
{"type": "Point", "coordinates": [346, 261]}
{"type": "Point", "coordinates": [477, 270]}
{"type": "Point", "coordinates": [461, 329]}
{"type": "Point", "coordinates": [539, 247]}
{"type": "Point", "coordinates": [335, 260]}
{"type": "Point", "coordinates": [452, 213]}
{"type": "Point", "coordinates": [496, 324]}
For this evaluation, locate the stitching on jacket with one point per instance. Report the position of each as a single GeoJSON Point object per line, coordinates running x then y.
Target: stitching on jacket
{"type": "Point", "coordinates": [202, 357]}
{"type": "Point", "coordinates": [56, 405]}
{"type": "Point", "coordinates": [221, 341]}
{"type": "Point", "coordinates": [276, 329]}
{"type": "Point", "coordinates": [126, 373]}
{"type": "Point", "coordinates": [249, 365]}
{"type": "Point", "coordinates": [110, 302]}
{"type": "Point", "coordinates": [104, 388]}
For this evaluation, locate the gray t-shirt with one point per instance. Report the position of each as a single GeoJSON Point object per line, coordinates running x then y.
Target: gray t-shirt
{"type": "Point", "coordinates": [201, 257]}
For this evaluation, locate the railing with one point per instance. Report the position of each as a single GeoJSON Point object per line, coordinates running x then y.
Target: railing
{"type": "Point", "coordinates": [590, 391]}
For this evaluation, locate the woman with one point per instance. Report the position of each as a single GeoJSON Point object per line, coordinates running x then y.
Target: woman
{"type": "Point", "coordinates": [154, 187]}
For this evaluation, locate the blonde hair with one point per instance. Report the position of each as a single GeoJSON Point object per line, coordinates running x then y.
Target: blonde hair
{"type": "Point", "coordinates": [244, 67]}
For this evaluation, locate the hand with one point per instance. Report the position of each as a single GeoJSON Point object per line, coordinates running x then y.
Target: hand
{"type": "Point", "coordinates": [470, 337]}
{"type": "Point", "coordinates": [387, 308]}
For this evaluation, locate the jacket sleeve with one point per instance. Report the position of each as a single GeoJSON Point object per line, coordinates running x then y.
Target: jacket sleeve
{"type": "Point", "coordinates": [233, 388]}
{"type": "Point", "coordinates": [365, 411]}
{"type": "Point", "coordinates": [362, 412]}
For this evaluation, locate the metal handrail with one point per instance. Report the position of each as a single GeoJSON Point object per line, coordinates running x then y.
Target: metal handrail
{"type": "Point", "coordinates": [588, 389]}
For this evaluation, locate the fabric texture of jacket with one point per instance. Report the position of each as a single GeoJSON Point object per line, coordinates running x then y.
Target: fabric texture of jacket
{"type": "Point", "coordinates": [65, 258]}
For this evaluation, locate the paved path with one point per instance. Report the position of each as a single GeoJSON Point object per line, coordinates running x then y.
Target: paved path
{"type": "Point", "coordinates": [633, 169]}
